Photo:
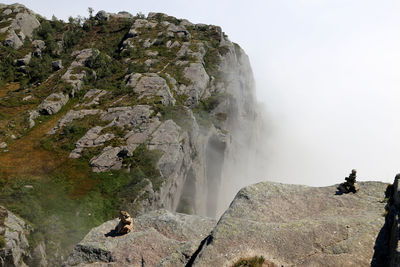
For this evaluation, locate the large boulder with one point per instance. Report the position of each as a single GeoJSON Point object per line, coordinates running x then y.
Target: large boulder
{"type": "Point", "coordinates": [53, 103]}
{"type": "Point", "coordinates": [109, 159]}
{"type": "Point", "coordinates": [168, 140]}
{"type": "Point", "coordinates": [92, 138]}
{"type": "Point", "coordinates": [130, 117]}
{"type": "Point", "coordinates": [14, 246]}
{"type": "Point", "coordinates": [20, 23]}
{"type": "Point", "coordinates": [295, 225]}
{"type": "Point", "coordinates": [158, 238]}
{"type": "Point", "coordinates": [150, 85]}
{"type": "Point", "coordinates": [74, 75]}
{"type": "Point", "coordinates": [199, 78]}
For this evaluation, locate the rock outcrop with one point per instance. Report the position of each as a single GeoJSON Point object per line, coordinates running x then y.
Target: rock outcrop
{"type": "Point", "coordinates": [387, 251]}
{"type": "Point", "coordinates": [14, 246]}
{"type": "Point", "coordinates": [127, 88]}
{"type": "Point", "coordinates": [18, 22]}
{"type": "Point", "coordinates": [159, 238]}
{"type": "Point", "coordinates": [53, 103]}
{"type": "Point", "coordinates": [151, 85]}
{"type": "Point", "coordinates": [74, 75]}
{"type": "Point", "coordinates": [294, 225]}
{"type": "Point", "coordinates": [287, 225]}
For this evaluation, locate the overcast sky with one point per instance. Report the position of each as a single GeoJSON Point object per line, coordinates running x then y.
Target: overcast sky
{"type": "Point", "coordinates": [327, 71]}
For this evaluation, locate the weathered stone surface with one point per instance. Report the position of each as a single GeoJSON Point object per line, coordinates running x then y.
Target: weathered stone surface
{"type": "Point", "coordinates": [107, 160]}
{"type": "Point", "coordinates": [136, 118]}
{"type": "Point", "coordinates": [186, 51]}
{"type": "Point", "coordinates": [102, 15]}
{"type": "Point", "coordinates": [13, 40]}
{"type": "Point", "coordinates": [135, 30]}
{"type": "Point", "coordinates": [33, 115]}
{"type": "Point", "coordinates": [140, 135]}
{"type": "Point", "coordinates": [199, 78]}
{"type": "Point", "coordinates": [13, 230]}
{"type": "Point", "coordinates": [24, 61]}
{"type": "Point", "coordinates": [82, 57]}
{"type": "Point", "coordinates": [53, 103]}
{"type": "Point", "coordinates": [73, 115]}
{"type": "Point", "coordinates": [3, 145]}
{"type": "Point", "coordinates": [38, 256]}
{"type": "Point", "coordinates": [387, 252]}
{"type": "Point", "coordinates": [57, 65]}
{"type": "Point", "coordinates": [130, 117]}
{"type": "Point", "coordinates": [294, 225]}
{"type": "Point", "coordinates": [94, 96]}
{"type": "Point", "coordinates": [167, 138]}
{"type": "Point", "coordinates": [158, 238]}
{"type": "Point", "coordinates": [150, 85]}
{"type": "Point", "coordinates": [92, 138]}
{"type": "Point", "coordinates": [171, 44]}
{"type": "Point", "coordinates": [123, 14]}
{"type": "Point", "coordinates": [40, 44]}
{"type": "Point", "coordinates": [180, 30]}
{"type": "Point", "coordinates": [24, 22]}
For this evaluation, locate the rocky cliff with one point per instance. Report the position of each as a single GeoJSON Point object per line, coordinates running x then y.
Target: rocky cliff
{"type": "Point", "coordinates": [154, 115]}
{"type": "Point", "coordinates": [14, 246]}
{"type": "Point", "coordinates": [387, 242]}
{"type": "Point", "coordinates": [281, 224]}
{"type": "Point", "coordinates": [117, 111]}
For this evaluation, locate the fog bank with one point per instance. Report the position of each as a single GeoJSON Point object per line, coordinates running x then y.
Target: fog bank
{"type": "Point", "coordinates": [331, 86]}
{"type": "Point", "coordinates": [327, 73]}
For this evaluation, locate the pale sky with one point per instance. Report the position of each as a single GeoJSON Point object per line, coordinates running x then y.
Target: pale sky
{"type": "Point", "coordinates": [327, 71]}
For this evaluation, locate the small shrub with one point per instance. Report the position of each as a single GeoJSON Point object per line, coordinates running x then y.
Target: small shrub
{"type": "Point", "coordinates": [45, 31]}
{"type": "Point", "coordinates": [71, 38]}
{"type": "Point", "coordinates": [256, 261]}
{"type": "Point", "coordinates": [2, 242]}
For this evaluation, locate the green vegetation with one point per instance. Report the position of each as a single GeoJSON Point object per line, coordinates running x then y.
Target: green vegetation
{"type": "Point", "coordinates": [256, 261]}
{"type": "Point", "coordinates": [64, 199]}
{"type": "Point", "coordinates": [65, 139]}
{"type": "Point", "coordinates": [3, 214]}
{"type": "Point", "coordinates": [204, 109]}
{"type": "Point", "coordinates": [178, 114]}
{"type": "Point", "coordinates": [389, 199]}
{"type": "Point", "coordinates": [65, 204]}
{"type": "Point", "coordinates": [185, 206]}
{"type": "Point", "coordinates": [2, 242]}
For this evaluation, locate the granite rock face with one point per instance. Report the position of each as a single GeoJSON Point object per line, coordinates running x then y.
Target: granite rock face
{"type": "Point", "coordinates": [82, 58]}
{"type": "Point", "coordinates": [158, 238]}
{"type": "Point", "coordinates": [15, 251]}
{"type": "Point", "coordinates": [53, 103]}
{"type": "Point", "coordinates": [179, 91]}
{"type": "Point", "coordinates": [288, 225]}
{"type": "Point", "coordinates": [195, 159]}
{"type": "Point", "coordinates": [294, 225]}
{"type": "Point", "coordinates": [151, 85]}
{"type": "Point", "coordinates": [20, 22]}
{"type": "Point", "coordinates": [387, 251]}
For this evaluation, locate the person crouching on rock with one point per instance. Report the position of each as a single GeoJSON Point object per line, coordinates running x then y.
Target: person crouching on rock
{"type": "Point", "coordinates": [125, 224]}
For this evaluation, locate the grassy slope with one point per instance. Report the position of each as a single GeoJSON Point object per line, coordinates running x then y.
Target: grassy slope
{"type": "Point", "coordinates": [61, 197]}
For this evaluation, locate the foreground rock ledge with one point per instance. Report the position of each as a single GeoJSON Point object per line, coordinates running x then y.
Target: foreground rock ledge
{"type": "Point", "coordinates": [289, 225]}
{"type": "Point", "coordinates": [294, 225]}
{"type": "Point", "coordinates": [158, 238]}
